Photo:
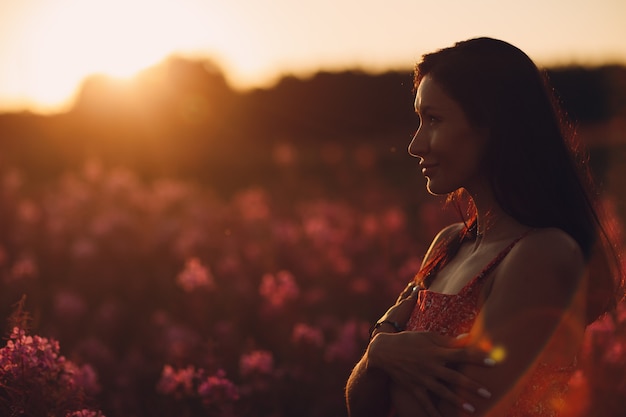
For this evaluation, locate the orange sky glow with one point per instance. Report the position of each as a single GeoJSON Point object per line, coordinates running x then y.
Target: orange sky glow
{"type": "Point", "coordinates": [47, 47]}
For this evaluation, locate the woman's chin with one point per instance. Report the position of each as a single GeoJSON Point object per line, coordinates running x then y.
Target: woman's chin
{"type": "Point", "coordinates": [437, 189]}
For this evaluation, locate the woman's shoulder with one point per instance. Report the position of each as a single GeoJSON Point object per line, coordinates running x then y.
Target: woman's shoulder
{"type": "Point", "coordinates": [550, 244]}
{"type": "Point", "coordinates": [445, 235]}
{"type": "Point", "coordinates": [544, 253]}
{"type": "Point", "coordinates": [449, 232]}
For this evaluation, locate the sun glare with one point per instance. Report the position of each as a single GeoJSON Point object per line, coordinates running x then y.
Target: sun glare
{"type": "Point", "coordinates": [69, 40]}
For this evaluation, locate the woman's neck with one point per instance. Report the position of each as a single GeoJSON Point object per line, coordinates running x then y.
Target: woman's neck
{"type": "Point", "coordinates": [492, 222]}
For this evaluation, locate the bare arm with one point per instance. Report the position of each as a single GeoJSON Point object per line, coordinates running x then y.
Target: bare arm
{"type": "Point", "coordinates": [403, 368]}
{"type": "Point", "coordinates": [367, 392]}
{"type": "Point", "coordinates": [369, 389]}
{"type": "Point", "coordinates": [534, 311]}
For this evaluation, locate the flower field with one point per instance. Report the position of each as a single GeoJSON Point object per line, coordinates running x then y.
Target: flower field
{"type": "Point", "coordinates": [163, 297]}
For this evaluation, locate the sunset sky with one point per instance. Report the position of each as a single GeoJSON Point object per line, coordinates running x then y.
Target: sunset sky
{"type": "Point", "coordinates": [47, 47]}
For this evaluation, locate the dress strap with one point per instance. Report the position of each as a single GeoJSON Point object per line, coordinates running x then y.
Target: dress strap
{"type": "Point", "coordinates": [499, 257]}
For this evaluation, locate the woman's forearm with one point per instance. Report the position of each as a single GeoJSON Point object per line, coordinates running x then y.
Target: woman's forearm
{"type": "Point", "coordinates": [367, 392]}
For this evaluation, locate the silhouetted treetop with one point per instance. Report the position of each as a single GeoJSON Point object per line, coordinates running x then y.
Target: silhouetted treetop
{"type": "Point", "coordinates": [334, 104]}
{"type": "Point", "coordinates": [182, 117]}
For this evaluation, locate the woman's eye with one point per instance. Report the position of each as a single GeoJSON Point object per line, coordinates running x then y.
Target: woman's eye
{"type": "Point", "coordinates": [429, 119]}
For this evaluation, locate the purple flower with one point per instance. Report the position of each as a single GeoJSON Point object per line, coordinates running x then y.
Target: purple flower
{"type": "Point", "coordinates": [194, 276]}
{"type": "Point", "coordinates": [36, 376]}
{"type": "Point", "coordinates": [279, 288]}
{"type": "Point", "coordinates": [257, 362]}
{"type": "Point", "coordinates": [345, 347]}
{"type": "Point", "coordinates": [217, 390]}
{"type": "Point", "coordinates": [190, 383]}
{"type": "Point", "coordinates": [24, 268]}
{"type": "Point", "coordinates": [68, 304]}
{"type": "Point", "coordinates": [253, 204]}
{"type": "Point", "coordinates": [307, 335]}
{"type": "Point", "coordinates": [28, 212]}
{"type": "Point", "coordinates": [179, 383]}
{"type": "Point", "coordinates": [85, 413]}
{"type": "Point", "coordinates": [394, 220]}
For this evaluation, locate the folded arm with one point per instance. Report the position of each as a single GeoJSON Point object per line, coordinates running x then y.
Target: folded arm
{"type": "Point", "coordinates": [367, 392]}
{"type": "Point", "coordinates": [534, 312]}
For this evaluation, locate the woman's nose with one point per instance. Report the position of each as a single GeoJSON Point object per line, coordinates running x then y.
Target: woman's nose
{"type": "Point", "coordinates": [419, 145]}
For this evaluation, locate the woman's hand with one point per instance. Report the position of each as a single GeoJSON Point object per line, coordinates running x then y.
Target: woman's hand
{"type": "Point", "coordinates": [401, 311]}
{"type": "Point", "coordinates": [419, 362]}
{"type": "Point", "coordinates": [414, 403]}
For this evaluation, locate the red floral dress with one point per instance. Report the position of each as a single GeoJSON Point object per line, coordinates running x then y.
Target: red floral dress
{"type": "Point", "coordinates": [454, 314]}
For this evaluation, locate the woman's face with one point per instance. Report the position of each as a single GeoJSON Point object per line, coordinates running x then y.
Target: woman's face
{"type": "Point", "coordinates": [449, 147]}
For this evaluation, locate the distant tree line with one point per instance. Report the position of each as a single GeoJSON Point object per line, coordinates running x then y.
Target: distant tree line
{"type": "Point", "coordinates": [183, 119]}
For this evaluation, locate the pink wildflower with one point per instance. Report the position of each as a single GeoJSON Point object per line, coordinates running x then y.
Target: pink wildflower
{"type": "Point", "coordinates": [105, 223]}
{"type": "Point", "coordinates": [187, 383]}
{"type": "Point", "coordinates": [168, 383]}
{"type": "Point", "coordinates": [83, 249]}
{"type": "Point", "coordinates": [185, 378]}
{"type": "Point", "coordinates": [229, 264]}
{"type": "Point", "coordinates": [188, 241]}
{"type": "Point", "coordinates": [344, 348]}
{"type": "Point", "coordinates": [87, 378]}
{"type": "Point", "coordinates": [258, 362]}
{"type": "Point", "coordinates": [12, 180]}
{"type": "Point", "coordinates": [339, 262]}
{"type": "Point", "coordinates": [369, 225]}
{"type": "Point", "coordinates": [394, 219]}
{"type": "Point", "coordinates": [279, 288]}
{"type": "Point", "coordinates": [69, 305]}
{"type": "Point", "coordinates": [179, 383]}
{"type": "Point", "coordinates": [360, 285]}
{"type": "Point", "coordinates": [194, 276]}
{"type": "Point", "coordinates": [317, 229]}
{"type": "Point", "coordinates": [23, 269]}
{"type": "Point", "coordinates": [287, 232]}
{"type": "Point", "coordinates": [85, 413]}
{"type": "Point", "coordinates": [178, 341]}
{"type": "Point", "coordinates": [25, 354]}
{"type": "Point", "coordinates": [307, 335]}
{"type": "Point", "coordinates": [33, 365]}
{"type": "Point", "coordinates": [28, 212]}
{"type": "Point", "coordinates": [253, 204]}
{"type": "Point", "coordinates": [217, 390]}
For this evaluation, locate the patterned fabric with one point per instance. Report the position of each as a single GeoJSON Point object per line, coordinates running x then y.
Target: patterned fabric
{"type": "Point", "coordinates": [454, 314]}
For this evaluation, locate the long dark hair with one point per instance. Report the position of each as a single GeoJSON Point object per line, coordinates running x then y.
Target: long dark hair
{"type": "Point", "coordinates": [538, 172]}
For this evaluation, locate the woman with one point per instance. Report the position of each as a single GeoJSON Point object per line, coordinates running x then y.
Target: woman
{"type": "Point", "coordinates": [494, 319]}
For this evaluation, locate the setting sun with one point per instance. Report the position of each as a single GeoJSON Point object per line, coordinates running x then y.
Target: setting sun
{"type": "Point", "coordinates": [66, 41]}
{"type": "Point", "coordinates": [48, 47]}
